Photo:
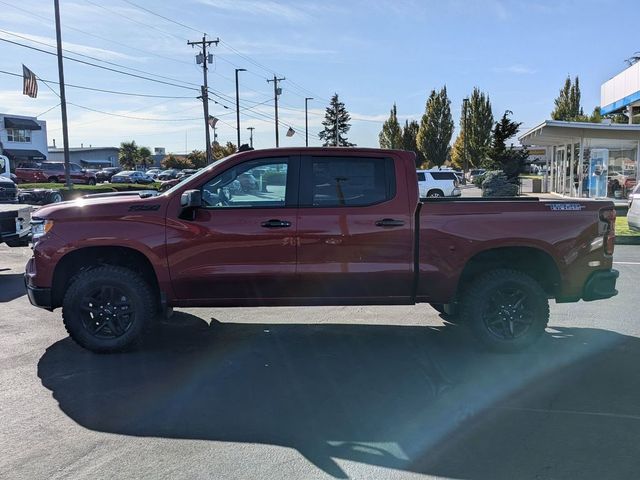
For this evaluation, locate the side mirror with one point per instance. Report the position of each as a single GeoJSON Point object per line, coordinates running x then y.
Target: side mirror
{"type": "Point", "coordinates": [191, 199]}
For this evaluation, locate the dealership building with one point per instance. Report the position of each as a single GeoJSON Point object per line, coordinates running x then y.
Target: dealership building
{"type": "Point", "coordinates": [595, 160]}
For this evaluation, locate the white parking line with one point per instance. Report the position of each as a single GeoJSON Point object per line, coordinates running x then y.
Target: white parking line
{"type": "Point", "coordinates": [626, 263]}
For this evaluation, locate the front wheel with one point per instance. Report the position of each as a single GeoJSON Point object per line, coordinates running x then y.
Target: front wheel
{"type": "Point", "coordinates": [507, 310]}
{"type": "Point", "coordinates": [107, 308]}
{"type": "Point", "coordinates": [91, 181]}
{"type": "Point", "coordinates": [435, 193]}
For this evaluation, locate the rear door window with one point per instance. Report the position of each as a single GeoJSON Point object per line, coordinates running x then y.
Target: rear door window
{"type": "Point", "coordinates": [346, 181]}
{"type": "Point", "coordinates": [443, 175]}
{"type": "Point", "coordinates": [422, 177]}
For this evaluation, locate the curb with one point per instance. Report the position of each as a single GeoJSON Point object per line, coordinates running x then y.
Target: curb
{"type": "Point", "coordinates": [628, 240]}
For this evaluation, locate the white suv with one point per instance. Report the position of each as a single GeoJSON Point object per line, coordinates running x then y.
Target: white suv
{"type": "Point", "coordinates": [438, 183]}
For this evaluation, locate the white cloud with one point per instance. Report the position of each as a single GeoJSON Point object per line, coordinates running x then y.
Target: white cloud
{"type": "Point", "coordinates": [516, 69]}
{"type": "Point", "coordinates": [258, 8]}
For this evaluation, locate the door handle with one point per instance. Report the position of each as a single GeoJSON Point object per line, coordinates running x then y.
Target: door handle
{"type": "Point", "coordinates": [275, 223]}
{"type": "Point", "coordinates": [389, 222]}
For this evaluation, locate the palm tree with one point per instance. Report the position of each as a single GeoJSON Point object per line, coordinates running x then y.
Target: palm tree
{"type": "Point", "coordinates": [129, 155]}
{"type": "Point", "coordinates": [145, 156]}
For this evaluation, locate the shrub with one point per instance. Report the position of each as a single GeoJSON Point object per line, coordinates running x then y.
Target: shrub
{"type": "Point", "coordinates": [495, 184]}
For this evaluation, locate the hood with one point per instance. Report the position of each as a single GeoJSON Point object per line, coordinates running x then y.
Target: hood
{"type": "Point", "coordinates": [103, 207]}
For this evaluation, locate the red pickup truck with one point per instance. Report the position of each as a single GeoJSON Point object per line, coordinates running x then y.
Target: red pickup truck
{"type": "Point", "coordinates": [323, 226]}
{"type": "Point", "coordinates": [52, 172]}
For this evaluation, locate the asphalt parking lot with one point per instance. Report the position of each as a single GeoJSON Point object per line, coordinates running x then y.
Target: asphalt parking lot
{"type": "Point", "coordinates": [357, 392]}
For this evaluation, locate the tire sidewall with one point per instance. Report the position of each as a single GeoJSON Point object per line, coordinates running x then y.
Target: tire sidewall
{"type": "Point", "coordinates": [479, 294]}
{"type": "Point", "coordinates": [133, 287]}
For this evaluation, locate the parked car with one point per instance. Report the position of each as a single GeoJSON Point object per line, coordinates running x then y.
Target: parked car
{"type": "Point", "coordinates": [633, 214]}
{"type": "Point", "coordinates": [52, 172]}
{"type": "Point", "coordinates": [169, 174]}
{"type": "Point", "coordinates": [187, 172]}
{"type": "Point", "coordinates": [154, 172]}
{"type": "Point", "coordinates": [438, 183]}
{"type": "Point", "coordinates": [475, 172]}
{"type": "Point", "coordinates": [106, 173]}
{"type": "Point", "coordinates": [347, 229]}
{"type": "Point", "coordinates": [131, 176]}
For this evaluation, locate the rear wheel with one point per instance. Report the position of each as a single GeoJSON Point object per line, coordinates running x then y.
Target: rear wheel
{"type": "Point", "coordinates": [52, 179]}
{"type": "Point", "coordinates": [435, 193]}
{"type": "Point", "coordinates": [506, 309]}
{"type": "Point", "coordinates": [91, 181]}
{"type": "Point", "coordinates": [108, 308]}
{"type": "Point", "coordinates": [54, 197]}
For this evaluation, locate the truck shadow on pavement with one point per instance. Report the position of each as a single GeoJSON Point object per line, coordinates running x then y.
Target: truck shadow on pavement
{"type": "Point", "coordinates": [419, 399]}
{"type": "Point", "coordinates": [11, 286]}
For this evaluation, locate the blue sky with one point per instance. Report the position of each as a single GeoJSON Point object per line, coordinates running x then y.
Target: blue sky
{"type": "Point", "coordinates": [372, 53]}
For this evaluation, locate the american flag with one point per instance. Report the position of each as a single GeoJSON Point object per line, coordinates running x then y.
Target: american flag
{"type": "Point", "coordinates": [212, 121]}
{"type": "Point", "coordinates": [29, 84]}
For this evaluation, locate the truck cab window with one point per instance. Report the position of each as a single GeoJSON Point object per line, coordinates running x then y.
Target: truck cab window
{"type": "Point", "coordinates": [348, 181]}
{"type": "Point", "coordinates": [254, 184]}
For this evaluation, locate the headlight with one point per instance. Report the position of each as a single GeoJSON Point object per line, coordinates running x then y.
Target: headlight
{"type": "Point", "coordinates": [40, 228]}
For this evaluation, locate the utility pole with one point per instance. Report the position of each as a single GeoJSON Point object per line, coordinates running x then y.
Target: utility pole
{"type": "Point", "coordinates": [238, 104]}
{"type": "Point", "coordinates": [276, 91]}
{"type": "Point", "coordinates": [205, 58]}
{"type": "Point", "coordinates": [465, 106]}
{"type": "Point", "coordinates": [306, 121]}
{"type": "Point", "coordinates": [251, 129]}
{"type": "Point", "coordinates": [63, 97]}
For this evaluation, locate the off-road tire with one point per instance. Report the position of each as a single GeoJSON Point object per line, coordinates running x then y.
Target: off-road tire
{"type": "Point", "coordinates": [133, 289]}
{"type": "Point", "coordinates": [483, 298]}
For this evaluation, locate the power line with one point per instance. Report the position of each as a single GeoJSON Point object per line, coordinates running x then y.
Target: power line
{"type": "Point", "coordinates": [98, 66]}
{"type": "Point", "coordinates": [106, 39]}
{"type": "Point", "coordinates": [134, 118]}
{"type": "Point", "coordinates": [98, 59]}
{"type": "Point", "coordinates": [234, 50]}
{"type": "Point", "coordinates": [115, 92]}
{"type": "Point", "coordinates": [153, 27]}
{"type": "Point", "coordinates": [163, 17]}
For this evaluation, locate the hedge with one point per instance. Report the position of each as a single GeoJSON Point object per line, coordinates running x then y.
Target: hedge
{"type": "Point", "coordinates": [81, 190]}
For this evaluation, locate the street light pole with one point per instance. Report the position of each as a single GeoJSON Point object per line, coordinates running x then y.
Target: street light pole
{"type": "Point", "coordinates": [465, 105]}
{"type": "Point", "coordinates": [251, 129]}
{"type": "Point", "coordinates": [306, 120]}
{"type": "Point", "coordinates": [238, 104]}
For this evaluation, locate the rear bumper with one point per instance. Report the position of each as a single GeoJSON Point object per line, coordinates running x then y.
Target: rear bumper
{"type": "Point", "coordinates": [600, 285]}
{"type": "Point", "coordinates": [39, 297]}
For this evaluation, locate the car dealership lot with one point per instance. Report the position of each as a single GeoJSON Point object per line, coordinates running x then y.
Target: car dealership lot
{"type": "Point", "coordinates": [357, 392]}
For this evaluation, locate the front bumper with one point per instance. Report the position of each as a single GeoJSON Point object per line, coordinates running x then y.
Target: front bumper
{"type": "Point", "coordinates": [39, 297]}
{"type": "Point", "coordinates": [600, 285]}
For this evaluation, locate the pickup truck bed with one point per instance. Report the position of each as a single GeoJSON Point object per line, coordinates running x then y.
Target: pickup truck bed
{"type": "Point", "coordinates": [317, 226]}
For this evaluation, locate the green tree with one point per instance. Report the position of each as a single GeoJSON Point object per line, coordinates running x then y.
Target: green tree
{"type": "Point", "coordinates": [510, 160]}
{"type": "Point", "coordinates": [198, 158]}
{"type": "Point", "coordinates": [567, 104]}
{"type": "Point", "coordinates": [391, 134]}
{"type": "Point", "coordinates": [128, 155]}
{"type": "Point", "coordinates": [479, 126]}
{"type": "Point", "coordinates": [336, 115]}
{"type": "Point", "coordinates": [457, 151]}
{"type": "Point", "coordinates": [436, 128]}
{"type": "Point", "coordinates": [221, 151]}
{"type": "Point", "coordinates": [144, 155]}
{"type": "Point", "coordinates": [409, 134]}
{"type": "Point", "coordinates": [176, 161]}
